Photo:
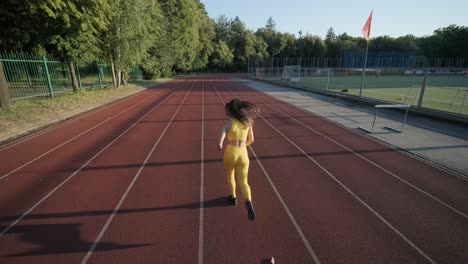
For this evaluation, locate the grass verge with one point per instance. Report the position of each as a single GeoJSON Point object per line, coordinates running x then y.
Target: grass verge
{"type": "Point", "coordinates": [27, 115]}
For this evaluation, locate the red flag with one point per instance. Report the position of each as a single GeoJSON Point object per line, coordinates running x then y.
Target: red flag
{"type": "Point", "coordinates": [366, 28]}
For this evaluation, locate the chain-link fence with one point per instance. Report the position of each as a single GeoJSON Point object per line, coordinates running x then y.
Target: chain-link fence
{"type": "Point", "coordinates": [444, 89]}
{"type": "Point", "coordinates": [356, 60]}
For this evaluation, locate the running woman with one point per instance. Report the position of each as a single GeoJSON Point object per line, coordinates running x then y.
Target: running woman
{"type": "Point", "coordinates": [238, 131]}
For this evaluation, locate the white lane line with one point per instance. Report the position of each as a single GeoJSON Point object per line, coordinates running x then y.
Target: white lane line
{"type": "Point", "coordinates": [124, 196]}
{"type": "Point", "coordinates": [407, 240]}
{"type": "Point", "coordinates": [202, 180]}
{"type": "Point", "coordinates": [373, 163]}
{"type": "Point", "coordinates": [93, 111]}
{"type": "Point", "coordinates": [283, 203]}
{"type": "Point", "coordinates": [75, 137]}
{"type": "Point", "coordinates": [76, 172]}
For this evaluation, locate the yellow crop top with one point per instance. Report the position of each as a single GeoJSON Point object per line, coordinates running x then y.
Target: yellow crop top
{"type": "Point", "coordinates": [238, 131]}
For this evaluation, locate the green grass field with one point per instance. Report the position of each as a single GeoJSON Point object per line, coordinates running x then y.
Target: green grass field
{"type": "Point", "coordinates": [446, 93]}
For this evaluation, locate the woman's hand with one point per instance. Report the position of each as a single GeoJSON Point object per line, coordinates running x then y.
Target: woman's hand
{"type": "Point", "coordinates": [220, 146]}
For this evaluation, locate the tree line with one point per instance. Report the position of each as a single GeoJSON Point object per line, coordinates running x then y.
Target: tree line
{"type": "Point", "coordinates": [167, 36]}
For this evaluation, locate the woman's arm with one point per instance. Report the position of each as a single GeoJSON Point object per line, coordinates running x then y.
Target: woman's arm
{"type": "Point", "coordinates": [224, 130]}
{"type": "Point", "coordinates": [250, 136]}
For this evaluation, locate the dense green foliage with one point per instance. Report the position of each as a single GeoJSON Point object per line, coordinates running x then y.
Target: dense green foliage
{"type": "Point", "coordinates": [164, 37]}
{"type": "Point", "coordinates": [132, 31]}
{"type": "Point", "coordinates": [68, 30]}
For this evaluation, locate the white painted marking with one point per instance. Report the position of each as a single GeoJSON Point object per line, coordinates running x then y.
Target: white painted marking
{"type": "Point", "coordinates": [286, 208]}
{"type": "Point", "coordinates": [202, 181]}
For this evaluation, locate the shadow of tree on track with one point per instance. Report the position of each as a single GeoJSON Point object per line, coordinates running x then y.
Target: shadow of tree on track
{"type": "Point", "coordinates": [58, 239]}
{"type": "Point", "coordinates": [65, 238]}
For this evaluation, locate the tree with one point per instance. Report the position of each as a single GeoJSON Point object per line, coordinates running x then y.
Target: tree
{"type": "Point", "coordinates": [222, 56]}
{"type": "Point", "coordinates": [271, 24]}
{"type": "Point", "coordinates": [206, 33]}
{"type": "Point", "coordinates": [5, 100]}
{"type": "Point", "coordinates": [287, 42]}
{"type": "Point", "coordinates": [132, 31]}
{"type": "Point", "coordinates": [244, 47]}
{"type": "Point", "coordinates": [183, 31]}
{"type": "Point", "coordinates": [310, 46]}
{"type": "Point", "coordinates": [186, 39]}
{"type": "Point", "coordinates": [240, 41]}
{"type": "Point", "coordinates": [222, 28]}
{"type": "Point", "coordinates": [331, 36]}
{"type": "Point", "coordinates": [383, 43]}
{"type": "Point", "coordinates": [69, 30]}
{"type": "Point", "coordinates": [271, 37]}
{"type": "Point", "coordinates": [260, 47]}
{"type": "Point", "coordinates": [239, 44]}
{"type": "Point", "coordinates": [407, 43]}
{"type": "Point", "coordinates": [446, 42]}
{"type": "Point", "coordinates": [333, 44]}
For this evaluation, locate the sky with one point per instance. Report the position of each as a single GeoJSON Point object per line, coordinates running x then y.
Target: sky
{"type": "Point", "coordinates": [393, 18]}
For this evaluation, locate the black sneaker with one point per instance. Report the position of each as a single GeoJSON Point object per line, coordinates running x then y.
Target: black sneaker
{"type": "Point", "coordinates": [232, 200]}
{"type": "Point", "coordinates": [250, 210]}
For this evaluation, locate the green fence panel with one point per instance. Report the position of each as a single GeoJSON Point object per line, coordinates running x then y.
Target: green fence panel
{"type": "Point", "coordinates": [94, 75]}
{"type": "Point", "coordinates": [31, 75]}
{"type": "Point", "coordinates": [49, 82]}
{"type": "Point", "coordinates": [60, 77]}
{"type": "Point", "coordinates": [26, 75]}
{"type": "Point", "coordinates": [135, 74]}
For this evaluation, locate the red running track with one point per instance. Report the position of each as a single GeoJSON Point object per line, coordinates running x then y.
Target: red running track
{"type": "Point", "coordinates": [141, 181]}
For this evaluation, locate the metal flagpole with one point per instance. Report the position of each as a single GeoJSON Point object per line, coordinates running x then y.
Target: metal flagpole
{"type": "Point", "coordinates": [366, 32]}
{"type": "Point", "coordinates": [364, 70]}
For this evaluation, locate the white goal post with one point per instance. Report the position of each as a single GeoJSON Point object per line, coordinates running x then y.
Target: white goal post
{"type": "Point", "coordinates": [291, 73]}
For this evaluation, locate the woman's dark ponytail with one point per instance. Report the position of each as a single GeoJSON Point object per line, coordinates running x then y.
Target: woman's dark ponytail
{"type": "Point", "coordinates": [243, 111]}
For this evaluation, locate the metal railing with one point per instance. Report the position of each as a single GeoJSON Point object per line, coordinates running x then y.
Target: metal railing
{"type": "Point", "coordinates": [30, 75]}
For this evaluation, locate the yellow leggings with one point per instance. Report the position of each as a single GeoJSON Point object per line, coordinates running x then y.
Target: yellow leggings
{"type": "Point", "coordinates": [236, 160]}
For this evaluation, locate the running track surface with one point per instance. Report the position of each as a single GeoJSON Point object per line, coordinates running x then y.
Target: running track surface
{"type": "Point", "coordinates": [141, 181]}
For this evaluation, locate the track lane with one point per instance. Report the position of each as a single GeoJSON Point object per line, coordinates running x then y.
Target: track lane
{"type": "Point", "coordinates": [165, 198]}
{"type": "Point", "coordinates": [443, 186]}
{"type": "Point", "coordinates": [356, 223]}
{"type": "Point", "coordinates": [229, 236]}
{"type": "Point", "coordinates": [26, 152]}
{"type": "Point", "coordinates": [99, 110]}
{"type": "Point", "coordinates": [420, 218]}
{"type": "Point", "coordinates": [28, 185]}
{"type": "Point", "coordinates": [76, 212]}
